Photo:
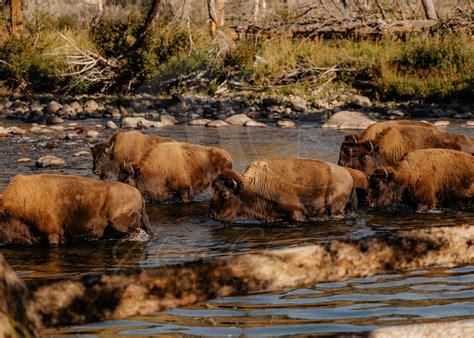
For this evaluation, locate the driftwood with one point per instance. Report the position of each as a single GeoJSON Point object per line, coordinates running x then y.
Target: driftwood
{"type": "Point", "coordinates": [348, 28]}
{"type": "Point", "coordinates": [31, 307]}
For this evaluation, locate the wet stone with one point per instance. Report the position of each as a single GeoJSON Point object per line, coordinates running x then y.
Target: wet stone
{"type": "Point", "coordinates": [50, 161]}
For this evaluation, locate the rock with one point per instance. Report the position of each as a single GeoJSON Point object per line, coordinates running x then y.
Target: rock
{"type": "Point", "coordinates": [76, 106]}
{"type": "Point", "coordinates": [298, 104]}
{"type": "Point", "coordinates": [361, 101]}
{"type": "Point", "coordinates": [92, 134]}
{"type": "Point", "coordinates": [441, 123]}
{"type": "Point", "coordinates": [168, 120]}
{"type": "Point", "coordinates": [71, 136]}
{"type": "Point", "coordinates": [16, 131]}
{"type": "Point", "coordinates": [252, 123]}
{"type": "Point", "coordinates": [36, 129]}
{"type": "Point", "coordinates": [56, 120]}
{"type": "Point", "coordinates": [286, 124]}
{"type": "Point", "coordinates": [24, 160]}
{"type": "Point", "coordinates": [348, 120]}
{"type": "Point", "coordinates": [395, 112]}
{"type": "Point", "coordinates": [4, 132]}
{"type": "Point", "coordinates": [57, 128]}
{"type": "Point", "coordinates": [82, 153]}
{"type": "Point", "coordinates": [67, 111]}
{"type": "Point", "coordinates": [140, 122]}
{"type": "Point", "coordinates": [91, 106]}
{"type": "Point", "coordinates": [217, 124]}
{"type": "Point", "coordinates": [199, 122]}
{"type": "Point", "coordinates": [111, 125]}
{"type": "Point", "coordinates": [270, 101]}
{"type": "Point", "coordinates": [114, 112]}
{"type": "Point", "coordinates": [238, 119]}
{"type": "Point", "coordinates": [470, 124]}
{"type": "Point", "coordinates": [52, 107]}
{"type": "Point", "coordinates": [50, 161]}
{"type": "Point", "coordinates": [73, 124]}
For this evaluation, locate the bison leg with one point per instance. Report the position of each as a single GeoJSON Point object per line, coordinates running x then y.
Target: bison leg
{"type": "Point", "coordinates": [298, 216]}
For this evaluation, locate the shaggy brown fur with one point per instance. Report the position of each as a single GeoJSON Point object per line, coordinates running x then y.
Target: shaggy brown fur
{"type": "Point", "coordinates": [291, 188]}
{"type": "Point", "coordinates": [425, 179]}
{"type": "Point", "coordinates": [128, 147]}
{"type": "Point", "coordinates": [175, 170]}
{"type": "Point", "coordinates": [57, 208]}
{"type": "Point", "coordinates": [388, 145]}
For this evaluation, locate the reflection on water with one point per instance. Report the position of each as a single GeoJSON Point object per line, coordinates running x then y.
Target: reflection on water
{"type": "Point", "coordinates": [184, 233]}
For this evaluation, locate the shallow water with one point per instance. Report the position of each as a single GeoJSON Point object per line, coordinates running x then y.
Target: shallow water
{"type": "Point", "coordinates": [184, 233]}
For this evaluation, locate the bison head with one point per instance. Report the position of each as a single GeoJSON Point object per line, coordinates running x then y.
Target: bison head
{"type": "Point", "coordinates": [226, 203]}
{"type": "Point", "coordinates": [362, 156]}
{"type": "Point", "coordinates": [383, 189]}
{"type": "Point", "coordinates": [128, 174]}
{"type": "Point", "coordinates": [103, 164]}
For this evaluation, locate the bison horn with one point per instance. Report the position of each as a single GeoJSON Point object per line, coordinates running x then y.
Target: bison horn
{"type": "Point", "coordinates": [354, 138]}
{"type": "Point", "coordinates": [91, 146]}
{"type": "Point", "coordinates": [128, 168]}
{"type": "Point", "coordinates": [234, 184]}
{"type": "Point", "coordinates": [371, 147]}
{"type": "Point", "coordinates": [109, 149]}
{"type": "Point", "coordinates": [386, 172]}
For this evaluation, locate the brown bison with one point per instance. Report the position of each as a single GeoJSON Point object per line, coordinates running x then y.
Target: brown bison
{"type": "Point", "coordinates": [425, 179]}
{"type": "Point", "coordinates": [173, 170]}
{"type": "Point", "coordinates": [290, 189]}
{"type": "Point", "coordinates": [128, 147]}
{"type": "Point", "coordinates": [57, 209]}
{"type": "Point", "coordinates": [384, 144]}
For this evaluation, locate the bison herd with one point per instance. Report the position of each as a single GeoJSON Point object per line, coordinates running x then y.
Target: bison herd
{"type": "Point", "coordinates": [404, 165]}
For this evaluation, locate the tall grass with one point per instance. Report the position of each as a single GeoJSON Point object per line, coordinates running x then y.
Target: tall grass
{"type": "Point", "coordinates": [421, 66]}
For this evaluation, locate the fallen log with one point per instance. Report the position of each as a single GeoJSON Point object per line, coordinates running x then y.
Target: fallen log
{"type": "Point", "coordinates": [348, 28]}
{"type": "Point", "coordinates": [37, 305]}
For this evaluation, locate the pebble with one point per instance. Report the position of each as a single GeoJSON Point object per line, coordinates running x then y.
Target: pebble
{"type": "Point", "coordinates": [140, 122]}
{"type": "Point", "coordinates": [82, 153]}
{"type": "Point", "coordinates": [91, 106]}
{"type": "Point", "coordinates": [441, 123]}
{"type": "Point", "coordinates": [168, 120]}
{"type": "Point", "coordinates": [111, 125]}
{"type": "Point", "coordinates": [57, 128]}
{"type": "Point", "coordinates": [71, 136]}
{"type": "Point", "coordinates": [286, 124]}
{"type": "Point", "coordinates": [361, 101]}
{"type": "Point", "coordinates": [24, 160]}
{"type": "Point", "coordinates": [92, 134]}
{"type": "Point", "coordinates": [50, 161]}
{"type": "Point", "coordinates": [52, 107]}
{"type": "Point", "coordinates": [252, 123]}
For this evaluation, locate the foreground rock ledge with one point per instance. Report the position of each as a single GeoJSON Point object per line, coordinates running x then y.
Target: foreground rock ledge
{"type": "Point", "coordinates": [38, 305]}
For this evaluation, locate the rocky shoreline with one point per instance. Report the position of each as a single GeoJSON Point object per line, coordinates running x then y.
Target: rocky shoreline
{"type": "Point", "coordinates": [200, 110]}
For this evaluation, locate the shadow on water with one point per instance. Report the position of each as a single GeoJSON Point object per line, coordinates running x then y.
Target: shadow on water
{"type": "Point", "coordinates": [185, 233]}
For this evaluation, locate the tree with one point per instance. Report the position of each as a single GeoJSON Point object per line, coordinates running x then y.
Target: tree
{"type": "Point", "coordinates": [430, 10]}
{"type": "Point", "coordinates": [15, 16]}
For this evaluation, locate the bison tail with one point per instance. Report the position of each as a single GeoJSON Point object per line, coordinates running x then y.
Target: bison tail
{"type": "Point", "coordinates": [353, 201]}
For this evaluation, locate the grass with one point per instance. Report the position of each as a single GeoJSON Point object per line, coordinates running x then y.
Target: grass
{"type": "Point", "coordinates": [424, 67]}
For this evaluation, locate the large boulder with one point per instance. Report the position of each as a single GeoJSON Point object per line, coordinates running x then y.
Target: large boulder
{"type": "Point", "coordinates": [217, 124]}
{"type": "Point", "coordinates": [199, 122]}
{"type": "Point", "coordinates": [349, 120]}
{"type": "Point", "coordinates": [238, 119]}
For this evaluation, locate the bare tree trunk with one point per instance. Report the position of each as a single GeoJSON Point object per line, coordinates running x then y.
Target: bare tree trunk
{"type": "Point", "coordinates": [220, 12]}
{"type": "Point", "coordinates": [15, 16]}
{"type": "Point", "coordinates": [211, 9]}
{"type": "Point", "coordinates": [256, 11]}
{"type": "Point", "coordinates": [430, 10]}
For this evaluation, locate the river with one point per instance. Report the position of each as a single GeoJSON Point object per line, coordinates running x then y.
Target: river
{"type": "Point", "coordinates": [184, 233]}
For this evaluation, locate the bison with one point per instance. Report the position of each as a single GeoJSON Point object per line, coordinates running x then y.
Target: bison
{"type": "Point", "coordinates": [289, 189]}
{"type": "Point", "coordinates": [126, 147]}
{"type": "Point", "coordinates": [384, 144]}
{"type": "Point", "coordinates": [424, 180]}
{"type": "Point", "coordinates": [175, 171]}
{"type": "Point", "coordinates": [57, 209]}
